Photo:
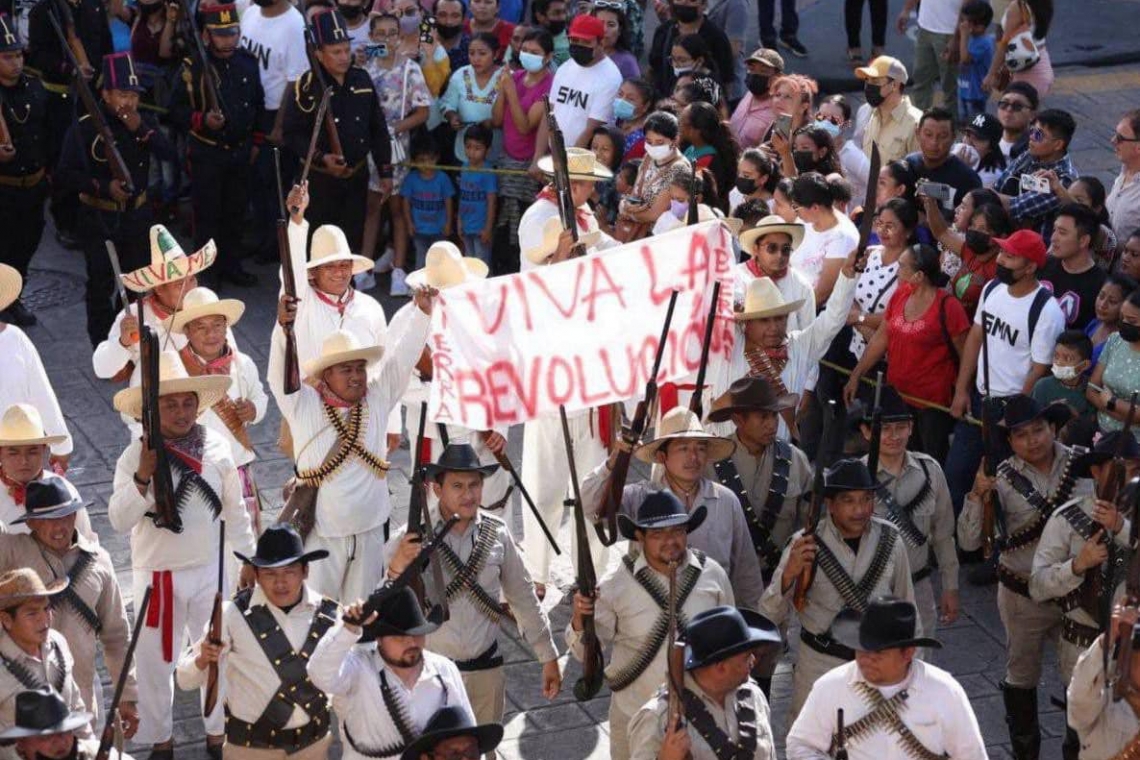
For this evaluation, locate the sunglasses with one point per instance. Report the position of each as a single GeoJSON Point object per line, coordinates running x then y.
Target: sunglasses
{"type": "Point", "coordinates": [1037, 134]}
{"type": "Point", "coordinates": [1119, 138]}
{"type": "Point", "coordinates": [1011, 105]}
{"type": "Point", "coordinates": [782, 249]}
{"type": "Point", "coordinates": [612, 5]}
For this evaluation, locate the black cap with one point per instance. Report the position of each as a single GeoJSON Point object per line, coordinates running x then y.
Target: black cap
{"type": "Point", "coordinates": [281, 545]}
{"type": "Point", "coordinates": [888, 623]}
{"type": "Point", "coordinates": [1021, 410]}
{"type": "Point", "coordinates": [49, 498]}
{"type": "Point", "coordinates": [400, 614]}
{"type": "Point", "coordinates": [719, 633]}
{"type": "Point", "coordinates": [986, 126]}
{"type": "Point", "coordinates": [329, 28]}
{"type": "Point", "coordinates": [120, 73]}
{"type": "Point", "coordinates": [661, 509]}
{"type": "Point", "coordinates": [459, 457]}
{"type": "Point", "coordinates": [892, 406]}
{"type": "Point", "coordinates": [220, 19]}
{"type": "Point", "coordinates": [42, 712]}
{"type": "Point", "coordinates": [848, 475]}
{"type": "Point", "coordinates": [451, 721]}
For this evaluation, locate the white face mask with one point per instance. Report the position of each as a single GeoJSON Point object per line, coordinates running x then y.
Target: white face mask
{"type": "Point", "coordinates": [1065, 373]}
{"type": "Point", "coordinates": [658, 152]}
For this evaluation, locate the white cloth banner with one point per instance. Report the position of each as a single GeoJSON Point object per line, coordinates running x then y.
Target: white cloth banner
{"type": "Point", "coordinates": [581, 333]}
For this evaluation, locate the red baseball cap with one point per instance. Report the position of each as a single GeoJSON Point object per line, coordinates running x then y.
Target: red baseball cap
{"type": "Point", "coordinates": [1025, 244]}
{"type": "Point", "coordinates": [587, 27]}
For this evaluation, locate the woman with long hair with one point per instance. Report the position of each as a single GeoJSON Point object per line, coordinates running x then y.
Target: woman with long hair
{"type": "Point", "coordinates": [615, 43]}
{"type": "Point", "coordinates": [895, 222]}
{"type": "Point", "coordinates": [756, 179]}
{"type": "Point", "coordinates": [638, 211]}
{"type": "Point", "coordinates": [1117, 374]}
{"type": "Point", "coordinates": [471, 93]}
{"type": "Point", "coordinates": [1109, 301]}
{"type": "Point", "coordinates": [631, 107]}
{"type": "Point", "coordinates": [811, 150]}
{"type": "Point", "coordinates": [711, 143]}
{"type": "Point", "coordinates": [1035, 17]}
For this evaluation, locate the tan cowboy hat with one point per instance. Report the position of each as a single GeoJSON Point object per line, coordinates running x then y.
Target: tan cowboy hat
{"type": "Point", "coordinates": [445, 266]}
{"type": "Point", "coordinates": [677, 423]}
{"type": "Point", "coordinates": [168, 262]}
{"type": "Point", "coordinates": [330, 246]}
{"type": "Point", "coordinates": [581, 163]}
{"type": "Point", "coordinates": [769, 225]}
{"type": "Point", "coordinates": [706, 214]}
{"type": "Point", "coordinates": [764, 299]}
{"type": "Point", "coordinates": [20, 585]}
{"type": "Point", "coordinates": [22, 425]}
{"type": "Point", "coordinates": [551, 230]}
{"type": "Point", "coordinates": [11, 283]}
{"type": "Point", "coordinates": [173, 378]}
{"type": "Point", "coordinates": [340, 347]}
{"type": "Point", "coordinates": [203, 302]}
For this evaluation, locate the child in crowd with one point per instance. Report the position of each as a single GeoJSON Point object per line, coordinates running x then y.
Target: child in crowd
{"type": "Point", "coordinates": [1072, 359]}
{"type": "Point", "coordinates": [478, 194]}
{"type": "Point", "coordinates": [976, 54]}
{"type": "Point", "coordinates": [607, 143]}
{"type": "Point", "coordinates": [429, 204]}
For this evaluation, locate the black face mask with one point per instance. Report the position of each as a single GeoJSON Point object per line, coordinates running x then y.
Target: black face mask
{"type": "Point", "coordinates": [757, 84]}
{"type": "Point", "coordinates": [448, 31]}
{"type": "Point", "coordinates": [1005, 275]}
{"type": "Point", "coordinates": [686, 14]}
{"type": "Point", "coordinates": [978, 241]}
{"type": "Point", "coordinates": [583, 55]}
{"type": "Point", "coordinates": [746, 186]}
{"type": "Point", "coordinates": [351, 12]}
{"type": "Point", "coordinates": [804, 160]}
{"type": "Point", "coordinates": [555, 27]}
{"type": "Point", "coordinates": [1129, 333]}
{"type": "Point", "coordinates": [874, 95]}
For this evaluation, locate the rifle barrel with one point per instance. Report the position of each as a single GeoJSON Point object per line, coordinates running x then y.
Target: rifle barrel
{"type": "Point", "coordinates": [108, 736]}
{"type": "Point", "coordinates": [695, 403]}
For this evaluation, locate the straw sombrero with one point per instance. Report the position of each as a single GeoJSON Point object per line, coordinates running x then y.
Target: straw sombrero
{"type": "Point", "coordinates": [445, 266]}
{"type": "Point", "coordinates": [551, 231]}
{"type": "Point", "coordinates": [11, 283]}
{"type": "Point", "coordinates": [764, 299]}
{"type": "Point", "coordinates": [173, 378]}
{"type": "Point", "coordinates": [20, 585]}
{"type": "Point", "coordinates": [330, 246]}
{"type": "Point", "coordinates": [581, 163]}
{"type": "Point", "coordinates": [168, 262]}
{"type": "Point", "coordinates": [769, 225]}
{"type": "Point", "coordinates": [341, 347]}
{"type": "Point", "coordinates": [203, 302]}
{"type": "Point", "coordinates": [679, 423]}
{"type": "Point", "coordinates": [22, 425]}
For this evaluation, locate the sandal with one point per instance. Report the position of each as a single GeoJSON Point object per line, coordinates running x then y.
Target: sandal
{"type": "Point", "coordinates": [855, 57]}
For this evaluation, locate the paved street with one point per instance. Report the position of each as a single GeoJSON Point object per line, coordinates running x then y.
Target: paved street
{"type": "Point", "coordinates": [535, 728]}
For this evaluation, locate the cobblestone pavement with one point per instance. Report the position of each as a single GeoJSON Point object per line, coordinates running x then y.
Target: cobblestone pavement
{"type": "Point", "coordinates": [536, 729]}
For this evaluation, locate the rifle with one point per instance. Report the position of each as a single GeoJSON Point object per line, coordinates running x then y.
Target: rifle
{"type": "Point", "coordinates": [410, 573]}
{"type": "Point", "coordinates": [165, 505]}
{"type": "Point", "coordinates": [210, 78]}
{"type": "Point", "coordinates": [215, 634]}
{"type": "Point", "coordinates": [80, 62]}
{"type": "Point", "coordinates": [331, 132]}
{"type": "Point", "coordinates": [1122, 680]}
{"type": "Point", "coordinates": [115, 160]}
{"type": "Point", "coordinates": [694, 215]}
{"type": "Point", "coordinates": [695, 405]}
{"type": "Point", "coordinates": [989, 461]}
{"type": "Point", "coordinates": [1097, 592]}
{"type": "Point", "coordinates": [505, 463]}
{"type": "Point", "coordinates": [876, 430]}
{"type": "Point", "coordinates": [288, 283]}
{"type": "Point", "coordinates": [807, 576]}
{"type": "Point", "coordinates": [870, 204]}
{"type": "Point", "coordinates": [590, 683]}
{"type": "Point", "coordinates": [108, 736]}
{"type": "Point", "coordinates": [561, 178]}
{"type": "Point", "coordinates": [322, 112]}
{"type": "Point", "coordinates": [419, 521]}
{"type": "Point", "coordinates": [614, 486]}
{"type": "Point", "coordinates": [674, 659]}
{"type": "Point", "coordinates": [840, 738]}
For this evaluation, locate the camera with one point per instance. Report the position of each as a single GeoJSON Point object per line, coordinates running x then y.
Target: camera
{"type": "Point", "coordinates": [1030, 183]}
{"type": "Point", "coordinates": [940, 192]}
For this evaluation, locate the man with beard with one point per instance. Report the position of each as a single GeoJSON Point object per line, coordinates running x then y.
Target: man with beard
{"type": "Point", "coordinates": [384, 686]}
{"type": "Point", "coordinates": [46, 728]}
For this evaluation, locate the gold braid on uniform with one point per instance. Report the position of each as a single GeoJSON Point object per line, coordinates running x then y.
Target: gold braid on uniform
{"type": "Point", "coordinates": [349, 431]}
{"type": "Point", "coordinates": [301, 86]}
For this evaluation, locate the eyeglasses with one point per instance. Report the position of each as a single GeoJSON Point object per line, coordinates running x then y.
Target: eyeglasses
{"type": "Point", "coordinates": [612, 5]}
{"type": "Point", "coordinates": [888, 227]}
{"type": "Point", "coordinates": [1119, 138]}
{"type": "Point", "coordinates": [1011, 105]}
{"type": "Point", "coordinates": [784, 249]}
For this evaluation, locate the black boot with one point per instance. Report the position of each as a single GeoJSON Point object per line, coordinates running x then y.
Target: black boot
{"type": "Point", "coordinates": [1071, 746]}
{"type": "Point", "coordinates": [1021, 715]}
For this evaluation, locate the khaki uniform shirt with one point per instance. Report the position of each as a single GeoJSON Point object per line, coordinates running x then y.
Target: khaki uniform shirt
{"type": "Point", "coordinates": [46, 669]}
{"type": "Point", "coordinates": [1104, 726]}
{"type": "Point", "coordinates": [896, 134]}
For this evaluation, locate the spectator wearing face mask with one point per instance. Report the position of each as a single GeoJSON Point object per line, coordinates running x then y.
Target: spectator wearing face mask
{"type": "Point", "coordinates": [688, 17]}
{"type": "Point", "coordinates": [983, 133]}
{"type": "Point", "coordinates": [975, 249]}
{"type": "Point", "coordinates": [551, 16]}
{"type": "Point", "coordinates": [449, 28]}
{"type": "Point", "coordinates": [433, 60]}
{"type": "Point", "coordinates": [356, 14]}
{"type": "Point", "coordinates": [711, 145]}
{"type": "Point", "coordinates": [638, 211]}
{"type": "Point", "coordinates": [893, 121]}
{"type": "Point", "coordinates": [1109, 302]}
{"type": "Point", "coordinates": [756, 111]}
{"type": "Point", "coordinates": [756, 180]}
{"type": "Point", "coordinates": [1068, 380]}
{"type": "Point", "coordinates": [631, 108]}
{"type": "Point", "coordinates": [1117, 374]}
{"type": "Point", "coordinates": [811, 150]}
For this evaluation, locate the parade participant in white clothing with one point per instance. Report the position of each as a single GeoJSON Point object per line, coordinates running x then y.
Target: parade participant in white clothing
{"type": "Point", "coordinates": [24, 446]}
{"type": "Point", "coordinates": [384, 685]}
{"type": "Point", "coordinates": [452, 734]}
{"type": "Point", "coordinates": [268, 634]}
{"type": "Point", "coordinates": [180, 567]}
{"type": "Point", "coordinates": [770, 245]}
{"type": "Point", "coordinates": [46, 728]}
{"type": "Point", "coordinates": [894, 705]}
{"type": "Point", "coordinates": [338, 420]}
{"type": "Point", "coordinates": [24, 380]}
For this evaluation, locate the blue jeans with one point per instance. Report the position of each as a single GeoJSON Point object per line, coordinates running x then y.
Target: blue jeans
{"type": "Point", "coordinates": [966, 450]}
{"type": "Point", "coordinates": [789, 20]}
{"type": "Point", "coordinates": [474, 246]}
{"type": "Point", "coordinates": [422, 242]}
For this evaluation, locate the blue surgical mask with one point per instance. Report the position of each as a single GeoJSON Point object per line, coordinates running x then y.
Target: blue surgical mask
{"type": "Point", "coordinates": [828, 126]}
{"type": "Point", "coordinates": [679, 209]}
{"type": "Point", "coordinates": [623, 109]}
{"type": "Point", "coordinates": [530, 61]}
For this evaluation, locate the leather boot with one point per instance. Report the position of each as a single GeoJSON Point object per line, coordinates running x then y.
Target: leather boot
{"type": "Point", "coordinates": [1021, 716]}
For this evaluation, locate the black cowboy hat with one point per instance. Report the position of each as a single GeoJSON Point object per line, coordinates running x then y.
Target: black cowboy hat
{"type": "Point", "coordinates": [719, 633]}
{"type": "Point", "coordinates": [450, 721]}
{"type": "Point", "coordinates": [1105, 449]}
{"type": "Point", "coordinates": [848, 475]}
{"type": "Point", "coordinates": [749, 394]}
{"type": "Point", "coordinates": [400, 614]}
{"type": "Point", "coordinates": [280, 545]}
{"type": "Point", "coordinates": [459, 457]}
{"type": "Point", "coordinates": [50, 498]}
{"type": "Point", "coordinates": [42, 712]}
{"type": "Point", "coordinates": [892, 406]}
{"type": "Point", "coordinates": [1021, 410]}
{"type": "Point", "coordinates": [888, 623]}
{"type": "Point", "coordinates": [661, 509]}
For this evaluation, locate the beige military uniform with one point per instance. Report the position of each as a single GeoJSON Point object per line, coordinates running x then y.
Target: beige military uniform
{"type": "Point", "coordinates": [879, 567]}
{"type": "Point", "coordinates": [19, 671]}
{"type": "Point", "coordinates": [1105, 727]}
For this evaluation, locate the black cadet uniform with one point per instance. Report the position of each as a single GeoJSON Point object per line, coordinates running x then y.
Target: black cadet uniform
{"type": "Point", "coordinates": [360, 125]}
{"type": "Point", "coordinates": [84, 169]}
{"type": "Point", "coordinates": [220, 161]}
{"type": "Point", "coordinates": [23, 186]}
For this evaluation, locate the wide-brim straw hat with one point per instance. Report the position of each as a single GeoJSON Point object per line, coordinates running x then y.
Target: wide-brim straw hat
{"type": "Point", "coordinates": [168, 262]}
{"type": "Point", "coordinates": [680, 423]}
{"type": "Point", "coordinates": [330, 246]}
{"type": "Point", "coordinates": [339, 348]}
{"type": "Point", "coordinates": [764, 299]}
{"type": "Point", "coordinates": [770, 225]}
{"type": "Point", "coordinates": [445, 267]}
{"type": "Point", "coordinates": [580, 163]}
{"type": "Point", "coordinates": [19, 585]}
{"type": "Point", "coordinates": [551, 231]}
{"type": "Point", "coordinates": [173, 378]}
{"type": "Point", "coordinates": [22, 425]}
{"type": "Point", "coordinates": [203, 302]}
{"type": "Point", "coordinates": [11, 283]}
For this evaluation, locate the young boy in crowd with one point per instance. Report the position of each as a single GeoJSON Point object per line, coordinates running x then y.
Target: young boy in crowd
{"type": "Point", "coordinates": [478, 192]}
{"type": "Point", "coordinates": [1072, 359]}
{"type": "Point", "coordinates": [976, 51]}
{"type": "Point", "coordinates": [429, 196]}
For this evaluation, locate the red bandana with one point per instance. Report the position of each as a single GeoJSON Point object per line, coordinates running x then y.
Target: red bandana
{"type": "Point", "coordinates": [580, 214]}
{"type": "Point", "coordinates": [196, 365]}
{"type": "Point", "coordinates": [756, 271]}
{"type": "Point", "coordinates": [340, 304]}
{"type": "Point", "coordinates": [18, 491]}
{"type": "Point", "coordinates": [777, 354]}
{"type": "Point", "coordinates": [159, 310]}
{"type": "Point", "coordinates": [331, 398]}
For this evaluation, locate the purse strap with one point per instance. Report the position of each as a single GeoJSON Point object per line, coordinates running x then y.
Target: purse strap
{"type": "Point", "coordinates": [404, 90]}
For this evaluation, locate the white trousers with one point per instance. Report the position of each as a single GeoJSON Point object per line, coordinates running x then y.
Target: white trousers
{"type": "Point", "coordinates": [190, 608]}
{"type": "Point", "coordinates": [354, 567]}
{"type": "Point", "coordinates": [546, 474]}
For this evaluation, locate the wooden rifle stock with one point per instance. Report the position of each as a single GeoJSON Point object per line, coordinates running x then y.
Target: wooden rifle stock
{"type": "Point", "coordinates": [108, 736]}
{"type": "Point", "coordinates": [331, 132]}
{"type": "Point", "coordinates": [876, 430]}
{"type": "Point", "coordinates": [210, 78]}
{"type": "Point", "coordinates": [288, 283]}
{"type": "Point", "coordinates": [807, 576]}
{"type": "Point", "coordinates": [695, 403]}
{"type": "Point", "coordinates": [165, 505]}
{"type": "Point", "coordinates": [215, 634]}
{"type": "Point", "coordinates": [614, 487]}
{"type": "Point", "coordinates": [694, 215]}
{"type": "Point", "coordinates": [590, 683]}
{"type": "Point", "coordinates": [561, 180]}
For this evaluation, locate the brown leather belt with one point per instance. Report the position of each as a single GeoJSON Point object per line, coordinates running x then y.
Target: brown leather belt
{"type": "Point", "coordinates": [354, 170]}
{"type": "Point", "coordinates": [22, 182]}
{"type": "Point", "coordinates": [1013, 581]}
{"type": "Point", "coordinates": [105, 204]}
{"type": "Point", "coordinates": [1078, 634]}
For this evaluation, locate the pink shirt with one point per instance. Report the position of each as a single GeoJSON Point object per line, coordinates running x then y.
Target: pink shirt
{"type": "Point", "coordinates": [518, 146]}
{"type": "Point", "coordinates": [751, 120]}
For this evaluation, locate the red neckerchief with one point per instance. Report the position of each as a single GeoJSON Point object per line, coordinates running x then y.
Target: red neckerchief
{"type": "Point", "coordinates": [331, 398]}
{"type": "Point", "coordinates": [18, 491]}
{"type": "Point", "coordinates": [159, 310]}
{"type": "Point", "coordinates": [756, 271]}
{"type": "Point", "coordinates": [777, 354]}
{"type": "Point", "coordinates": [340, 304]}
{"type": "Point", "coordinates": [219, 366]}
{"type": "Point", "coordinates": [189, 448]}
{"type": "Point", "coordinates": [580, 214]}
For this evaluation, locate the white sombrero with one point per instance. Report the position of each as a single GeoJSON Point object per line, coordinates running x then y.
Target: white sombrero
{"type": "Point", "coordinates": [551, 230]}
{"type": "Point", "coordinates": [203, 302]}
{"type": "Point", "coordinates": [445, 266]}
{"type": "Point", "coordinates": [173, 378]}
{"type": "Point", "coordinates": [22, 425]}
{"type": "Point", "coordinates": [11, 283]}
{"type": "Point", "coordinates": [581, 163]}
{"type": "Point", "coordinates": [769, 225]}
{"type": "Point", "coordinates": [168, 262]}
{"type": "Point", "coordinates": [341, 347]}
{"type": "Point", "coordinates": [764, 299]}
{"type": "Point", "coordinates": [330, 246]}
{"type": "Point", "coordinates": [680, 423]}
